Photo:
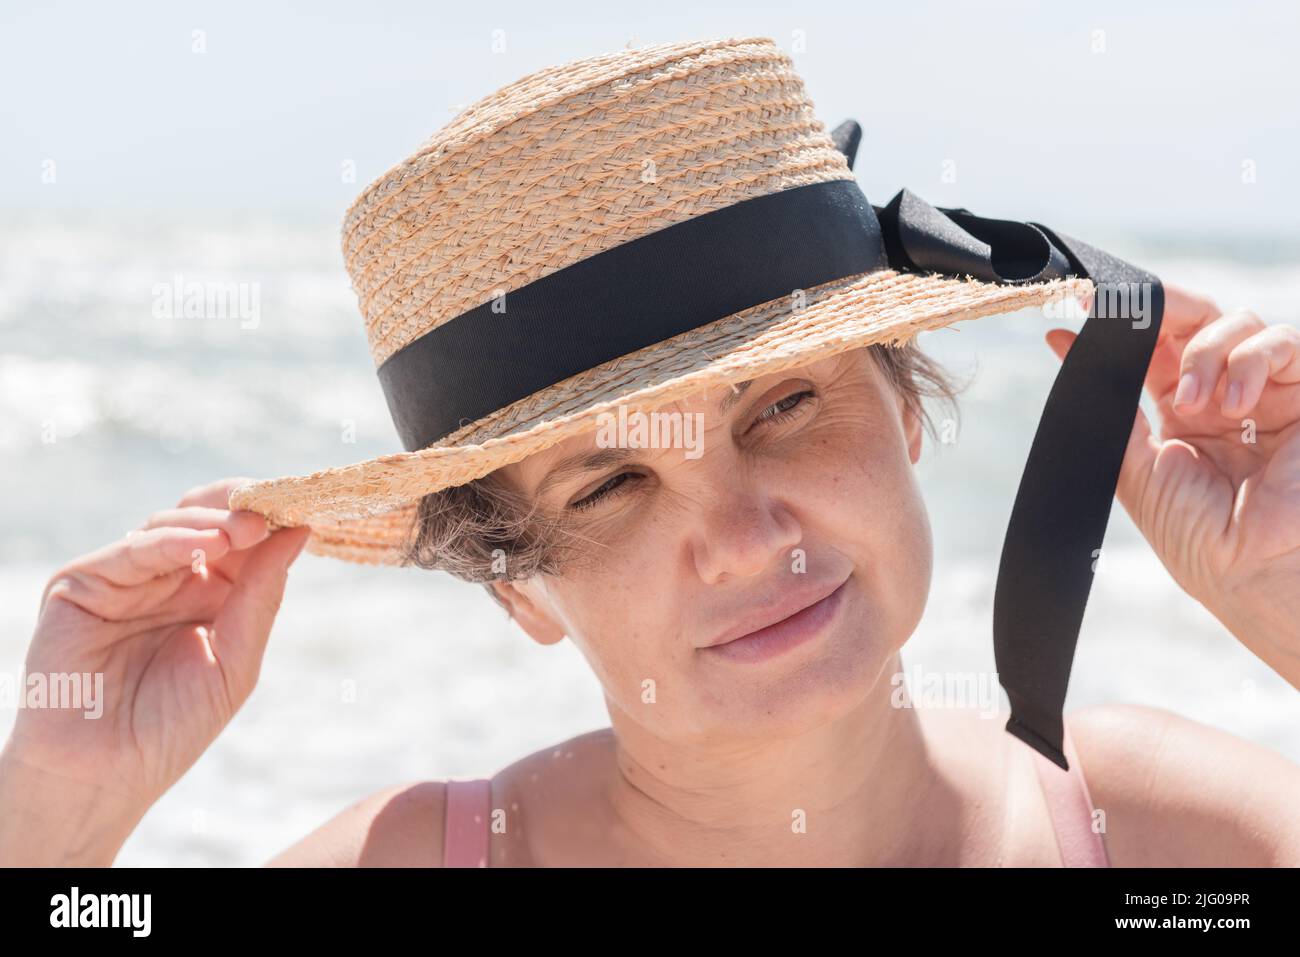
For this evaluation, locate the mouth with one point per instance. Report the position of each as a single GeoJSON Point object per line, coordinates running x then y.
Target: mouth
{"type": "Point", "coordinates": [800, 618]}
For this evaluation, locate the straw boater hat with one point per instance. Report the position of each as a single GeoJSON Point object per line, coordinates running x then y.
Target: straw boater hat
{"type": "Point", "coordinates": [624, 230]}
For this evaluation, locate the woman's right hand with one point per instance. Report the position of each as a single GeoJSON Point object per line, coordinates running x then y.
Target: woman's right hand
{"type": "Point", "coordinates": [175, 617]}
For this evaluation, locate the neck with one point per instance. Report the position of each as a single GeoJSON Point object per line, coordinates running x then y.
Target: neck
{"type": "Point", "coordinates": [861, 790]}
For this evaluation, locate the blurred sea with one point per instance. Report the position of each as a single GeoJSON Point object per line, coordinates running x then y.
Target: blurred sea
{"type": "Point", "coordinates": [140, 408]}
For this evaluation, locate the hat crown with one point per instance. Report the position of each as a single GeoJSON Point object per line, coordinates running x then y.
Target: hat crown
{"type": "Point", "coordinates": [571, 161]}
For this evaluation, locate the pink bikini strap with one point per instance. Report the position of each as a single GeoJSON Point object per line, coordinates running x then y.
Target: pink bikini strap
{"type": "Point", "coordinates": [468, 815]}
{"type": "Point", "coordinates": [1070, 806]}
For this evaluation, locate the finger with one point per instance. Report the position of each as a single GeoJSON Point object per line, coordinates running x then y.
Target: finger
{"type": "Point", "coordinates": [196, 595]}
{"type": "Point", "coordinates": [199, 597]}
{"type": "Point", "coordinates": [244, 529]}
{"type": "Point", "coordinates": [1273, 354]}
{"type": "Point", "coordinates": [136, 574]}
{"type": "Point", "coordinates": [239, 633]}
{"type": "Point", "coordinates": [1205, 358]}
{"type": "Point", "coordinates": [1060, 341]}
{"type": "Point", "coordinates": [1186, 313]}
{"type": "Point", "coordinates": [146, 554]}
{"type": "Point", "coordinates": [214, 494]}
{"type": "Point", "coordinates": [106, 602]}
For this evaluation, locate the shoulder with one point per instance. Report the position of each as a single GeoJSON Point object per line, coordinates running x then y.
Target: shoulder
{"type": "Point", "coordinates": [400, 826]}
{"type": "Point", "coordinates": [1179, 793]}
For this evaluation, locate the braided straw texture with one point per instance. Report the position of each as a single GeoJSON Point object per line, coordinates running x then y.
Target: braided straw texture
{"type": "Point", "coordinates": [570, 162]}
{"type": "Point", "coordinates": [557, 167]}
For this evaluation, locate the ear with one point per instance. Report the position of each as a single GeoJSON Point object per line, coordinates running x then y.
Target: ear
{"type": "Point", "coordinates": [912, 430]}
{"type": "Point", "coordinates": [529, 612]}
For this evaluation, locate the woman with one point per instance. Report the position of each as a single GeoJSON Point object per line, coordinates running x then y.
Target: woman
{"type": "Point", "coordinates": [743, 609]}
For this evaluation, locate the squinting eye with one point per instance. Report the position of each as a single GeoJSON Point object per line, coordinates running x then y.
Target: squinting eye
{"type": "Point", "coordinates": [784, 408]}
{"type": "Point", "coordinates": [779, 411]}
{"type": "Point", "coordinates": [610, 487]}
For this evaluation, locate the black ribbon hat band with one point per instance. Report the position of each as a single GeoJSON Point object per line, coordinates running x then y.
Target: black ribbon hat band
{"type": "Point", "coordinates": [714, 265]}
{"type": "Point", "coordinates": [626, 298]}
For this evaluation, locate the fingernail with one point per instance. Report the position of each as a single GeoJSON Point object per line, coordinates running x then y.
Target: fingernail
{"type": "Point", "coordinates": [1233, 398]}
{"type": "Point", "coordinates": [1187, 389]}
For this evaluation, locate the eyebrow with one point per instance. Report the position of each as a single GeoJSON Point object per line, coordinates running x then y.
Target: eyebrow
{"type": "Point", "coordinates": [732, 397]}
{"type": "Point", "coordinates": [607, 458]}
{"type": "Point", "coordinates": [583, 462]}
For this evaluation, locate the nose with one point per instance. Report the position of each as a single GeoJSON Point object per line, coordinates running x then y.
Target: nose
{"type": "Point", "coordinates": [741, 532]}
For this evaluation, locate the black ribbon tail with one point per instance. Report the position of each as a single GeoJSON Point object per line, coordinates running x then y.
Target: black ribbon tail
{"type": "Point", "coordinates": [1067, 489]}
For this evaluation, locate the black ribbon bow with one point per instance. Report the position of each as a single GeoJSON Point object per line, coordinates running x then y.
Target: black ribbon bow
{"type": "Point", "coordinates": [1063, 505]}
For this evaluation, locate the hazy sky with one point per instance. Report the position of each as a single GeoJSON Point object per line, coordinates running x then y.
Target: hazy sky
{"type": "Point", "coordinates": [1065, 114]}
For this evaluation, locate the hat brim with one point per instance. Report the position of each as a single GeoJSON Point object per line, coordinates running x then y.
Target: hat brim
{"type": "Point", "coordinates": [365, 512]}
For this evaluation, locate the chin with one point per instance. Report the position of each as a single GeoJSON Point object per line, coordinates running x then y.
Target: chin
{"type": "Point", "coordinates": [816, 685]}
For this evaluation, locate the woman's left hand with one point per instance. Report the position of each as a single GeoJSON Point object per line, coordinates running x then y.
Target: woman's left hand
{"type": "Point", "coordinates": [1217, 491]}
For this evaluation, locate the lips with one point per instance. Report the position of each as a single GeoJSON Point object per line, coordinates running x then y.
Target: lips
{"type": "Point", "coordinates": [788, 606]}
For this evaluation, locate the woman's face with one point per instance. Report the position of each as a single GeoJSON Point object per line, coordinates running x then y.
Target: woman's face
{"type": "Point", "coordinates": [797, 488]}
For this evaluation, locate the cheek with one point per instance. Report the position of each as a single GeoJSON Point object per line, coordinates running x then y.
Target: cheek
{"type": "Point", "coordinates": [860, 495]}
{"type": "Point", "coordinates": [857, 467]}
{"type": "Point", "coordinates": [610, 612]}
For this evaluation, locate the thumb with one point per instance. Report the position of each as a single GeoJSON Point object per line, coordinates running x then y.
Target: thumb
{"type": "Point", "coordinates": [241, 628]}
{"type": "Point", "coordinates": [1139, 454]}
